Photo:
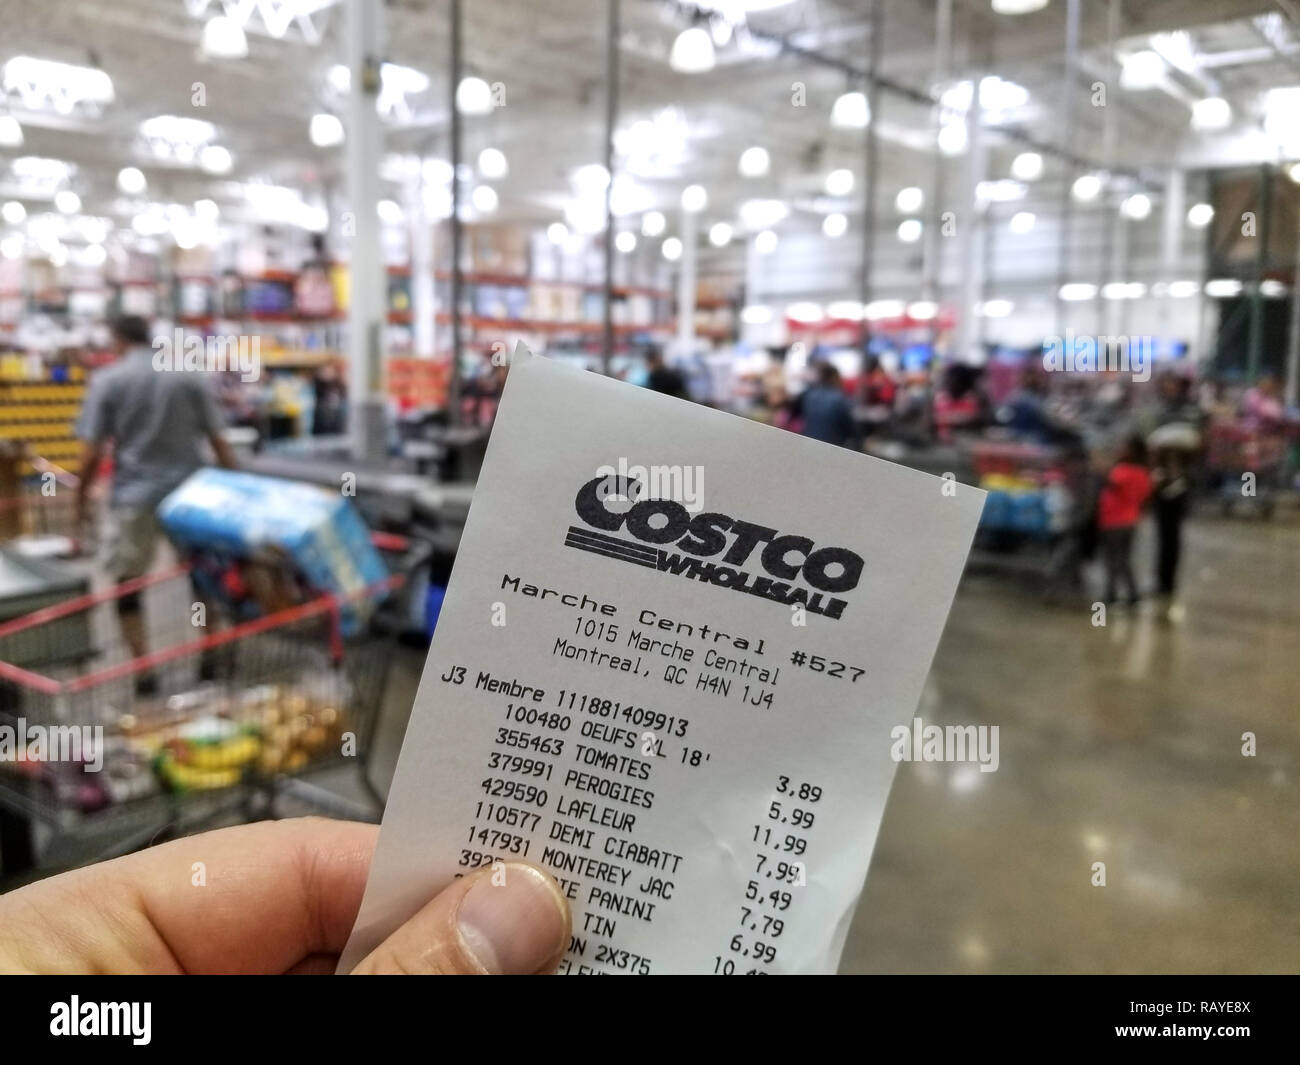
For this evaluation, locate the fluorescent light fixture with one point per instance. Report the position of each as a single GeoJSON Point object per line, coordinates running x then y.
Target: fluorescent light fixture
{"type": "Point", "coordinates": [909, 230]}
{"type": "Point", "coordinates": [67, 202]}
{"type": "Point", "coordinates": [94, 255]}
{"type": "Point", "coordinates": [804, 311]}
{"type": "Point", "coordinates": [1272, 289]}
{"type": "Point", "coordinates": [40, 170]}
{"type": "Point", "coordinates": [1077, 291]}
{"type": "Point", "coordinates": [1280, 108]}
{"type": "Point", "coordinates": [484, 199]}
{"type": "Point", "coordinates": [215, 159]}
{"type": "Point", "coordinates": [1214, 112]}
{"type": "Point", "coordinates": [131, 181]}
{"type": "Point", "coordinates": [694, 199]}
{"type": "Point", "coordinates": [12, 246]}
{"type": "Point", "coordinates": [997, 96]}
{"type": "Point", "coordinates": [763, 214]}
{"type": "Point", "coordinates": [878, 309]}
{"type": "Point", "coordinates": [755, 314]}
{"type": "Point", "coordinates": [839, 182]}
{"type": "Point", "coordinates": [765, 242]}
{"type": "Point", "coordinates": [390, 212]}
{"type": "Point", "coordinates": [1018, 7]}
{"type": "Point", "coordinates": [436, 200]}
{"type": "Point", "coordinates": [590, 179]}
{"type": "Point", "coordinates": [47, 85]}
{"type": "Point", "coordinates": [909, 200]}
{"type": "Point", "coordinates": [835, 225]}
{"type": "Point", "coordinates": [557, 233]}
{"type": "Point", "coordinates": [13, 213]}
{"type": "Point", "coordinates": [922, 310]}
{"type": "Point", "coordinates": [1183, 289]}
{"type": "Point", "coordinates": [692, 51]}
{"type": "Point", "coordinates": [223, 38]}
{"type": "Point", "coordinates": [995, 308]}
{"type": "Point", "coordinates": [473, 96]}
{"type": "Point", "coordinates": [952, 137]}
{"type": "Point", "coordinates": [652, 224]}
{"type": "Point", "coordinates": [851, 111]}
{"type": "Point", "coordinates": [1027, 166]}
{"type": "Point", "coordinates": [625, 242]}
{"type": "Point", "coordinates": [1086, 188]}
{"type": "Point", "coordinates": [671, 249]}
{"type": "Point", "coordinates": [11, 133]}
{"type": "Point", "coordinates": [1200, 215]}
{"type": "Point", "coordinates": [166, 133]}
{"type": "Point", "coordinates": [1136, 207]}
{"type": "Point", "coordinates": [720, 234]}
{"type": "Point", "coordinates": [492, 164]}
{"type": "Point", "coordinates": [1022, 222]}
{"type": "Point", "coordinates": [326, 130]}
{"type": "Point", "coordinates": [1123, 290]}
{"type": "Point", "coordinates": [1142, 70]}
{"type": "Point", "coordinates": [1223, 287]}
{"type": "Point", "coordinates": [207, 210]}
{"type": "Point", "coordinates": [845, 310]}
{"type": "Point", "coordinates": [754, 162]}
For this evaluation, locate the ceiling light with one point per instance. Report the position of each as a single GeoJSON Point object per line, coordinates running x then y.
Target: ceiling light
{"type": "Point", "coordinates": [44, 84]}
{"type": "Point", "coordinates": [390, 212]}
{"type": "Point", "coordinates": [12, 246]}
{"type": "Point", "coordinates": [625, 242]}
{"type": "Point", "coordinates": [1214, 112]}
{"type": "Point", "coordinates": [692, 51]}
{"type": "Point", "coordinates": [845, 310]}
{"type": "Point", "coordinates": [835, 225]}
{"type": "Point", "coordinates": [484, 198]}
{"type": "Point", "coordinates": [591, 179]}
{"type": "Point", "coordinates": [720, 234]}
{"type": "Point", "coordinates": [952, 138]}
{"type": "Point", "coordinates": [1018, 7]}
{"type": "Point", "coordinates": [839, 182]}
{"type": "Point", "coordinates": [851, 111]}
{"type": "Point", "coordinates": [909, 230]}
{"type": "Point", "coordinates": [1086, 187]}
{"type": "Point", "coordinates": [763, 214]}
{"type": "Point", "coordinates": [694, 198]}
{"type": "Point", "coordinates": [215, 159]}
{"type": "Point", "coordinates": [765, 242]}
{"type": "Point", "coordinates": [1223, 288]}
{"type": "Point", "coordinates": [492, 163]}
{"type": "Point", "coordinates": [326, 130]}
{"type": "Point", "coordinates": [879, 309]}
{"type": "Point", "coordinates": [11, 133]}
{"type": "Point", "coordinates": [67, 202]}
{"type": "Point", "coordinates": [1137, 206]}
{"type": "Point", "coordinates": [909, 200]}
{"type": "Point", "coordinates": [131, 181]}
{"type": "Point", "coordinates": [652, 224]}
{"type": "Point", "coordinates": [922, 310]}
{"type": "Point", "coordinates": [755, 314]}
{"type": "Point", "coordinates": [94, 255]}
{"type": "Point", "coordinates": [804, 311]}
{"type": "Point", "coordinates": [473, 96]}
{"type": "Point", "coordinates": [995, 308]}
{"type": "Point", "coordinates": [1077, 291]}
{"type": "Point", "coordinates": [13, 213]}
{"type": "Point", "coordinates": [754, 162]}
{"type": "Point", "coordinates": [1142, 70]}
{"type": "Point", "coordinates": [1022, 222]}
{"type": "Point", "coordinates": [557, 233]}
{"type": "Point", "coordinates": [1200, 215]}
{"type": "Point", "coordinates": [672, 249]}
{"type": "Point", "coordinates": [58, 255]}
{"type": "Point", "coordinates": [1183, 289]}
{"type": "Point", "coordinates": [1027, 166]}
{"type": "Point", "coordinates": [1123, 290]}
{"type": "Point", "coordinates": [1271, 288]}
{"type": "Point", "coordinates": [223, 38]}
{"type": "Point", "coordinates": [1280, 107]}
{"type": "Point", "coordinates": [1293, 172]}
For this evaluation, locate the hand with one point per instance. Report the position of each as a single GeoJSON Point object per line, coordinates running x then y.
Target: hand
{"type": "Point", "coordinates": [273, 897]}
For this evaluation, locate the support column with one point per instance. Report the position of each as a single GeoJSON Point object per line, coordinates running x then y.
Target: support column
{"type": "Point", "coordinates": [686, 284]}
{"type": "Point", "coordinates": [969, 227]}
{"type": "Point", "coordinates": [1171, 240]}
{"type": "Point", "coordinates": [422, 281]}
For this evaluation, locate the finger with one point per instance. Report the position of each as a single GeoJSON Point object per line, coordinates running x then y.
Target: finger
{"type": "Point", "coordinates": [258, 899]}
{"type": "Point", "coordinates": [507, 919]}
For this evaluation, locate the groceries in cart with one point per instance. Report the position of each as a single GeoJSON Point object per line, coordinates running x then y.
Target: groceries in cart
{"type": "Point", "coordinates": [261, 544]}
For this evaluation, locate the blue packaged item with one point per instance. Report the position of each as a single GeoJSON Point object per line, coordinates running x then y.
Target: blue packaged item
{"type": "Point", "coordinates": [246, 516]}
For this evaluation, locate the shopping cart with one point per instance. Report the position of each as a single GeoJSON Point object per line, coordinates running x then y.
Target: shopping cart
{"type": "Point", "coordinates": [38, 512]}
{"type": "Point", "coordinates": [1244, 463]}
{"type": "Point", "coordinates": [214, 719]}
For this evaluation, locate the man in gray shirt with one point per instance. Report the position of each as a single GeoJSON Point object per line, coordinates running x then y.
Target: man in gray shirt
{"type": "Point", "coordinates": [157, 421]}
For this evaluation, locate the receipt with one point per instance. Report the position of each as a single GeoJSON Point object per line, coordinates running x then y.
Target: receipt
{"type": "Point", "coordinates": [666, 669]}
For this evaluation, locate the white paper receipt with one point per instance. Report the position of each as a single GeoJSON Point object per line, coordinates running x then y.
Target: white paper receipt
{"type": "Point", "coordinates": [666, 669]}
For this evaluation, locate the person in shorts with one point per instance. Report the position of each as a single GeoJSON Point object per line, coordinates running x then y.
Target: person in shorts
{"type": "Point", "coordinates": [157, 422]}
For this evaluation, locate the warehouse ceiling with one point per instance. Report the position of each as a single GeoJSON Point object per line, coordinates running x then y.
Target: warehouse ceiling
{"type": "Point", "coordinates": [777, 75]}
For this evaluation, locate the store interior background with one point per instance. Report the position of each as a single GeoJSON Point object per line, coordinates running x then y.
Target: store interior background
{"type": "Point", "coordinates": [821, 177]}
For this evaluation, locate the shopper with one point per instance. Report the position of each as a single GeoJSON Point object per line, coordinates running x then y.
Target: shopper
{"type": "Point", "coordinates": [662, 377]}
{"type": "Point", "coordinates": [1119, 509]}
{"type": "Point", "coordinates": [824, 409]}
{"type": "Point", "coordinates": [1174, 444]}
{"type": "Point", "coordinates": [279, 897]}
{"type": "Point", "coordinates": [156, 421]}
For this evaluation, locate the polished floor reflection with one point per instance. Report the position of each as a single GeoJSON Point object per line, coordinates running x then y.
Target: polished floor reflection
{"type": "Point", "coordinates": [1120, 745]}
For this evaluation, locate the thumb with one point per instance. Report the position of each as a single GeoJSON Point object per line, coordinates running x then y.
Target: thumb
{"type": "Point", "coordinates": [505, 919]}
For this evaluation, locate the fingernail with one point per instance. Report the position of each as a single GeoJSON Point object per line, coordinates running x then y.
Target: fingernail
{"type": "Point", "coordinates": [514, 921]}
